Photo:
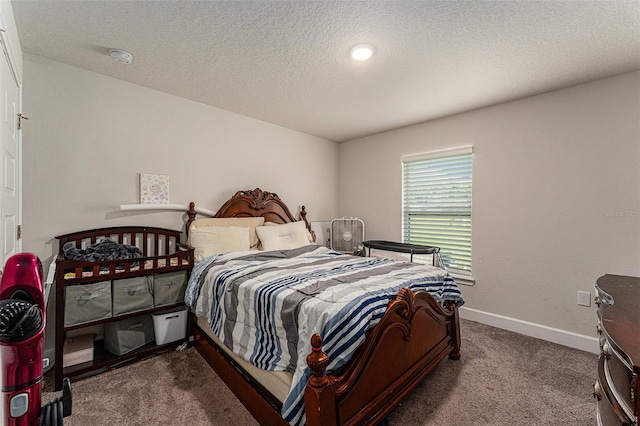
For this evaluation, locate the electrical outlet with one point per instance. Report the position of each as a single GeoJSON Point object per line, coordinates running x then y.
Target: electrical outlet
{"type": "Point", "coordinates": [584, 298]}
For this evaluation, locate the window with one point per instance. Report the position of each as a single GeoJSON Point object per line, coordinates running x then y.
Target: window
{"type": "Point", "coordinates": [436, 205]}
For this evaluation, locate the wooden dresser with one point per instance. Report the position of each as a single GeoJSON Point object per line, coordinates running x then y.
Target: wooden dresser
{"type": "Point", "coordinates": [617, 387]}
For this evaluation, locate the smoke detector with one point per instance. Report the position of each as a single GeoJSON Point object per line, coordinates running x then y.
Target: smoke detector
{"type": "Point", "coordinates": [121, 56]}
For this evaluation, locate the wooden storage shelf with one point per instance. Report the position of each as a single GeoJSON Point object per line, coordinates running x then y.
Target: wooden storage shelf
{"type": "Point", "coordinates": [124, 316]}
{"type": "Point", "coordinates": [161, 253]}
{"type": "Point", "coordinates": [105, 359]}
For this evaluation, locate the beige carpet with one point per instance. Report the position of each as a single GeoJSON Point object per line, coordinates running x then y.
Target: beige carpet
{"type": "Point", "coordinates": [503, 378]}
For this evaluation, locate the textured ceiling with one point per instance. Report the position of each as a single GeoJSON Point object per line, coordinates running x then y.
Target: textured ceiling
{"type": "Point", "coordinates": [287, 62]}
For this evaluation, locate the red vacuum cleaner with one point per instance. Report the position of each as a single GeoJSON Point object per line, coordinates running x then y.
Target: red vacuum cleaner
{"type": "Point", "coordinates": [22, 323]}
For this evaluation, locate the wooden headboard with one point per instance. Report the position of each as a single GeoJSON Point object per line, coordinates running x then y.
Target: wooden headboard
{"type": "Point", "coordinates": [255, 203]}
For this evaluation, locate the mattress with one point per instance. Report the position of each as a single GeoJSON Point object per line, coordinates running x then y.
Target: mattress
{"type": "Point", "coordinates": [276, 382]}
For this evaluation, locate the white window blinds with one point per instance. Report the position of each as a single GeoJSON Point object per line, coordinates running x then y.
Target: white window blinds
{"type": "Point", "coordinates": [436, 205]}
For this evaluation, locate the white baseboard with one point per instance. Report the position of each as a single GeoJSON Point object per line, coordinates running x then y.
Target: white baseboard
{"type": "Point", "coordinates": [554, 335]}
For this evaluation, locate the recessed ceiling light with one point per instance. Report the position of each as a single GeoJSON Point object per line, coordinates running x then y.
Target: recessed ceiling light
{"type": "Point", "coordinates": [121, 56]}
{"type": "Point", "coordinates": [362, 52]}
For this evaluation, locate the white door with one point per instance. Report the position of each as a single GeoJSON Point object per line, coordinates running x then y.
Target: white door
{"type": "Point", "coordinates": [10, 162]}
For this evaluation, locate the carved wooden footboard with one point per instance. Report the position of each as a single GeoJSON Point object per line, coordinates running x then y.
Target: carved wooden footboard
{"type": "Point", "coordinates": [414, 335]}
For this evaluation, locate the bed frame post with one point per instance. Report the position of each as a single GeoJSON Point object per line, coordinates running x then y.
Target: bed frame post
{"type": "Point", "coordinates": [191, 213]}
{"type": "Point", "coordinates": [320, 394]}
{"type": "Point", "coordinates": [455, 332]}
{"type": "Point", "coordinates": [303, 216]}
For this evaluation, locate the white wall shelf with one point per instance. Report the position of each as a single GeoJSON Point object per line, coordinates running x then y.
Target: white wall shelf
{"type": "Point", "coordinates": [174, 207]}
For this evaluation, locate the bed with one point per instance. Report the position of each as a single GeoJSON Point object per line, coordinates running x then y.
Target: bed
{"type": "Point", "coordinates": [343, 339]}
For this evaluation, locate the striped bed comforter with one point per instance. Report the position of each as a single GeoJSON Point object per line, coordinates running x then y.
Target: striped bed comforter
{"type": "Point", "coordinates": [265, 306]}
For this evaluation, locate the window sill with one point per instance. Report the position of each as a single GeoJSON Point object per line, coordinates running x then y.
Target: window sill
{"type": "Point", "coordinates": [463, 279]}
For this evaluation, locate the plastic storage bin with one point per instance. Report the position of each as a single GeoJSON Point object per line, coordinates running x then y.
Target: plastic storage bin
{"type": "Point", "coordinates": [128, 334]}
{"type": "Point", "coordinates": [169, 288]}
{"type": "Point", "coordinates": [87, 302]}
{"type": "Point", "coordinates": [170, 326]}
{"type": "Point", "coordinates": [132, 294]}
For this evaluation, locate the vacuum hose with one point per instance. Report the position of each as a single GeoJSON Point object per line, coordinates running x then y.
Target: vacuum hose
{"type": "Point", "coordinates": [52, 413]}
{"type": "Point", "coordinates": [19, 320]}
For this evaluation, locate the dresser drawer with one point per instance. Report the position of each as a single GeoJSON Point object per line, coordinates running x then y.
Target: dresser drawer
{"type": "Point", "coordinates": [602, 301]}
{"type": "Point", "coordinates": [618, 301]}
{"type": "Point", "coordinates": [609, 410]}
{"type": "Point", "coordinates": [619, 377]}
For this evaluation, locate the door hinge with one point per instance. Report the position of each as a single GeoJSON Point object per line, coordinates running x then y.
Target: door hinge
{"type": "Point", "coordinates": [19, 232]}
{"type": "Point", "coordinates": [20, 118]}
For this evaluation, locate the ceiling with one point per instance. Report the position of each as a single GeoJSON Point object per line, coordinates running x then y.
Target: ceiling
{"type": "Point", "coordinates": [288, 63]}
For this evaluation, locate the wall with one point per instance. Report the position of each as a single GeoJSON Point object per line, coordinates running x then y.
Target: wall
{"type": "Point", "coordinates": [556, 177]}
{"type": "Point", "coordinates": [88, 137]}
{"type": "Point", "coordinates": [556, 199]}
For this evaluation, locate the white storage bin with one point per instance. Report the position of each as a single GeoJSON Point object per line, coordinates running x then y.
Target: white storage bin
{"type": "Point", "coordinates": [170, 326]}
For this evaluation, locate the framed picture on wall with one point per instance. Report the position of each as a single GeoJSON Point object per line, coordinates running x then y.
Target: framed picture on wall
{"type": "Point", "coordinates": [154, 189]}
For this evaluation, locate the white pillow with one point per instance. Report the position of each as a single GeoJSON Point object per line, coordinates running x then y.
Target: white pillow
{"type": "Point", "coordinates": [248, 222]}
{"type": "Point", "coordinates": [310, 237]}
{"type": "Point", "coordinates": [218, 239]}
{"type": "Point", "coordinates": [284, 236]}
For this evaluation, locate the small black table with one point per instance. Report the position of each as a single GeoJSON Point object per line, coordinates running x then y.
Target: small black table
{"type": "Point", "coordinates": [400, 247]}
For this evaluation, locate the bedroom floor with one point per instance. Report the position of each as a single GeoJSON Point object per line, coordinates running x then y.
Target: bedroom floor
{"type": "Point", "coordinates": [503, 378]}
